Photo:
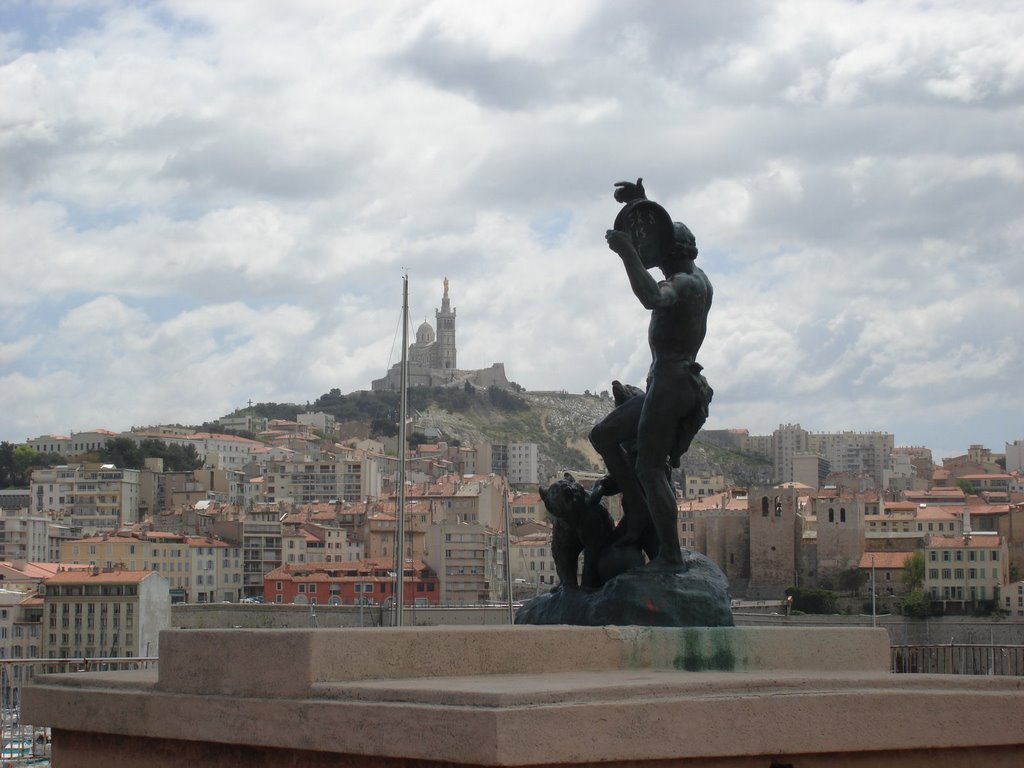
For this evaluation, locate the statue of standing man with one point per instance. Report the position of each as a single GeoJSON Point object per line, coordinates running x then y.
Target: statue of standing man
{"type": "Point", "coordinates": [643, 438]}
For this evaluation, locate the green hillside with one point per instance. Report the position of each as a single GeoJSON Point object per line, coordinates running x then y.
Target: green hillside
{"type": "Point", "coordinates": [558, 422]}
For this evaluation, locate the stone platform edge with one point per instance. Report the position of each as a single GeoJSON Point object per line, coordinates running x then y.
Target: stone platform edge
{"type": "Point", "coordinates": [628, 696]}
{"type": "Point", "coordinates": [207, 661]}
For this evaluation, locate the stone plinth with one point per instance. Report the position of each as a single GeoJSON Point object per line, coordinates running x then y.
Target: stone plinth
{"type": "Point", "coordinates": [527, 696]}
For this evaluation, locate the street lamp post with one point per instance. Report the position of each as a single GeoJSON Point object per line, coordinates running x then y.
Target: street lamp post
{"type": "Point", "coordinates": [873, 613]}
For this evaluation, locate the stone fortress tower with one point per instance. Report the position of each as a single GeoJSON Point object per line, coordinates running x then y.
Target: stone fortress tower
{"type": "Point", "coordinates": [433, 358]}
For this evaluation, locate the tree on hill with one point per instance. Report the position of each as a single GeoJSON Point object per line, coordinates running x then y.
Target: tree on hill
{"type": "Point", "coordinates": [177, 458]}
{"type": "Point", "coordinates": [17, 463]}
{"type": "Point", "coordinates": [124, 453]}
{"type": "Point", "coordinates": [505, 400]}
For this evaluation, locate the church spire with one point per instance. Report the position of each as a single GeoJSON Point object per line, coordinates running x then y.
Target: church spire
{"type": "Point", "coordinates": [445, 317]}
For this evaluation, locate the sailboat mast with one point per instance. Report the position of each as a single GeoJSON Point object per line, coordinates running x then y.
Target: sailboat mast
{"type": "Point", "coordinates": [399, 596]}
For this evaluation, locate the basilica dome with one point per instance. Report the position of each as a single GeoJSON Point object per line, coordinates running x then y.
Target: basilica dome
{"type": "Point", "coordinates": [425, 334]}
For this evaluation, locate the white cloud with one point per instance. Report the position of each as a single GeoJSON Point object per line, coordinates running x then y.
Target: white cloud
{"type": "Point", "coordinates": [206, 202]}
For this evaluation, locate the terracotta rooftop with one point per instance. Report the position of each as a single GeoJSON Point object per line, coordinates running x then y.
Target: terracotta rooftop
{"type": "Point", "coordinates": [975, 541]}
{"type": "Point", "coordinates": [892, 560]}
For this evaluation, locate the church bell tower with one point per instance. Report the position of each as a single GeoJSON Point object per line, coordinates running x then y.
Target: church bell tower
{"type": "Point", "coordinates": [445, 317]}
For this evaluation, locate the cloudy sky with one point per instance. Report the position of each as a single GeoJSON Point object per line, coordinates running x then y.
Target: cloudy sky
{"type": "Point", "coordinates": [206, 202]}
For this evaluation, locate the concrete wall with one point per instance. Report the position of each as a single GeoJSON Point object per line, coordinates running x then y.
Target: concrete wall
{"type": "Point", "coordinates": [255, 616]}
{"type": "Point", "coordinates": [902, 631]}
{"type": "Point", "coordinates": [955, 629]}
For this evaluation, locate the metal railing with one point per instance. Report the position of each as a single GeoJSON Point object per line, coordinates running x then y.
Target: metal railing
{"type": "Point", "coordinates": [959, 659]}
{"type": "Point", "coordinates": [25, 744]}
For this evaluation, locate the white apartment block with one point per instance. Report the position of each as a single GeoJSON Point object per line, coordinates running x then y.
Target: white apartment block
{"type": "Point", "coordinates": [787, 441]}
{"type": "Point", "coordinates": [259, 537]}
{"type": "Point", "coordinates": [318, 420]}
{"type": "Point", "coordinates": [216, 451]}
{"type": "Point", "coordinates": [853, 452]}
{"type": "Point", "coordinates": [24, 536]}
{"type": "Point", "coordinates": [214, 571]}
{"type": "Point", "coordinates": [104, 613]}
{"type": "Point", "coordinates": [92, 497]}
{"type": "Point", "coordinates": [532, 563]}
{"type": "Point", "coordinates": [327, 480]}
{"type": "Point", "coordinates": [523, 463]}
{"type": "Point", "coordinates": [75, 445]}
{"type": "Point", "coordinates": [1015, 456]}
{"type": "Point", "coordinates": [468, 560]}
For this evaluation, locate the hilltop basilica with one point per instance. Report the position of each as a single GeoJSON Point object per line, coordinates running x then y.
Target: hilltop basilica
{"type": "Point", "coordinates": [432, 358]}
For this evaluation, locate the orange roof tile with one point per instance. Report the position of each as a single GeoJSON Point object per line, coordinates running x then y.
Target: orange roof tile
{"type": "Point", "coordinates": [975, 541]}
{"type": "Point", "coordinates": [888, 560]}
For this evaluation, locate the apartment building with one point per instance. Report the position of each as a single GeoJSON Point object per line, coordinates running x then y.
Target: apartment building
{"type": "Point", "coordinates": [12, 647]}
{"type": "Point", "coordinates": [216, 451]}
{"type": "Point", "coordinates": [74, 445]}
{"type": "Point", "coordinates": [244, 423]}
{"type": "Point", "coordinates": [331, 543]}
{"type": "Point", "coordinates": [966, 568]}
{"type": "Point", "coordinates": [523, 463]}
{"type": "Point", "coordinates": [92, 497]}
{"type": "Point", "coordinates": [468, 558]}
{"type": "Point", "coordinates": [197, 568]}
{"type": "Point", "coordinates": [532, 563]}
{"type": "Point", "coordinates": [366, 582]}
{"type": "Point", "coordinates": [525, 508]}
{"type": "Point", "coordinates": [853, 453]}
{"type": "Point", "coordinates": [294, 543]}
{"type": "Point", "coordinates": [259, 536]}
{"type": "Point", "coordinates": [164, 553]}
{"type": "Point", "coordinates": [303, 481]}
{"type": "Point", "coordinates": [24, 536]}
{"type": "Point", "coordinates": [381, 534]}
{"type": "Point", "coordinates": [214, 571]}
{"type": "Point", "coordinates": [104, 612]}
{"type": "Point", "coordinates": [703, 484]}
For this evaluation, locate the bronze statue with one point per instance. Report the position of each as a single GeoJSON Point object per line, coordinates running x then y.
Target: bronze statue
{"type": "Point", "coordinates": [658, 425]}
{"type": "Point", "coordinates": [582, 525]}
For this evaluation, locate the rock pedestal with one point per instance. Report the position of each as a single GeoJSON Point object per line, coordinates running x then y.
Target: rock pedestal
{"type": "Point", "coordinates": [695, 595]}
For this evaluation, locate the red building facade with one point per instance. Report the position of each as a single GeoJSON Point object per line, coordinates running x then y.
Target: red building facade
{"type": "Point", "coordinates": [370, 582]}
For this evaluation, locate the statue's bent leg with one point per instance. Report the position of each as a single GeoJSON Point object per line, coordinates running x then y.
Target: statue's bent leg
{"type": "Point", "coordinates": [607, 438]}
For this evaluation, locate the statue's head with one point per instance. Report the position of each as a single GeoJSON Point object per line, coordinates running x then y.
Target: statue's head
{"type": "Point", "coordinates": [684, 244]}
